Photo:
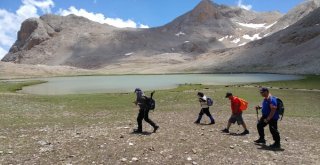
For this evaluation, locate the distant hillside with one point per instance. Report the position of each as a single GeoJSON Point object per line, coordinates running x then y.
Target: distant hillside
{"type": "Point", "coordinates": [225, 34]}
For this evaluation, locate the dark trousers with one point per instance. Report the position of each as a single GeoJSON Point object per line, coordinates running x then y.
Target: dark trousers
{"type": "Point", "coordinates": [205, 111]}
{"type": "Point", "coordinates": [273, 127]}
{"type": "Point", "coordinates": [144, 114]}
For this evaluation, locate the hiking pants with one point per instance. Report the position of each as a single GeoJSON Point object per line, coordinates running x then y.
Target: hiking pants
{"type": "Point", "coordinates": [144, 114]}
{"type": "Point", "coordinates": [273, 127]}
{"type": "Point", "coordinates": [205, 111]}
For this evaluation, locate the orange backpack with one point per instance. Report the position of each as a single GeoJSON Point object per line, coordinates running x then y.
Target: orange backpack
{"type": "Point", "coordinates": [243, 104]}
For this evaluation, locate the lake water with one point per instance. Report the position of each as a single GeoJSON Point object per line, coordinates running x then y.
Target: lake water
{"type": "Point", "coordinates": [127, 83]}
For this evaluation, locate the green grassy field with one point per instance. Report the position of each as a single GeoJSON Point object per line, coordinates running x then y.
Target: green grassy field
{"type": "Point", "coordinates": [13, 86]}
{"type": "Point", "coordinates": [87, 128]}
{"type": "Point", "coordinates": [310, 82]}
{"type": "Point", "coordinates": [20, 110]}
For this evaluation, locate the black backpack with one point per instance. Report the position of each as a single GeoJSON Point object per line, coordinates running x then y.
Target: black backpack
{"type": "Point", "coordinates": [280, 107]}
{"type": "Point", "coordinates": [151, 103]}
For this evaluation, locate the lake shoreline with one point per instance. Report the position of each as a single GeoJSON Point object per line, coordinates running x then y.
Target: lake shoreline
{"type": "Point", "coordinates": [126, 83]}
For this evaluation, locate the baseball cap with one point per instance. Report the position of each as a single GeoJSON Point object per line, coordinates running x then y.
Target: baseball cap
{"type": "Point", "coordinates": [264, 89]}
{"type": "Point", "coordinates": [228, 94]}
{"type": "Point", "coordinates": [137, 90]}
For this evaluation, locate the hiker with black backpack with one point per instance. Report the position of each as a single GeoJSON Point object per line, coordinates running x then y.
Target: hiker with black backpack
{"type": "Point", "coordinates": [270, 116]}
{"type": "Point", "coordinates": [205, 102]}
{"type": "Point", "coordinates": [145, 104]}
{"type": "Point", "coordinates": [237, 106]}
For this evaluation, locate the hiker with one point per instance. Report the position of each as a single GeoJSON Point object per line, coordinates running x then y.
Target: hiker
{"type": "Point", "coordinates": [204, 108]}
{"type": "Point", "coordinates": [236, 115]}
{"type": "Point", "coordinates": [270, 117]}
{"type": "Point", "coordinates": [142, 102]}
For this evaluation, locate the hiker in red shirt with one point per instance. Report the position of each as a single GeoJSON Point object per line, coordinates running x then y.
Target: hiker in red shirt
{"type": "Point", "coordinates": [236, 114]}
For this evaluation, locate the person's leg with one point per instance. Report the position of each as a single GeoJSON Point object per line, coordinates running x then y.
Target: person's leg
{"type": "Point", "coordinates": [146, 118]}
{"type": "Point", "coordinates": [229, 125]}
{"type": "Point", "coordinates": [230, 121]}
{"type": "Point", "coordinates": [199, 117]}
{"type": "Point", "coordinates": [207, 112]}
{"type": "Point", "coordinates": [241, 122]}
{"type": "Point", "coordinates": [273, 127]}
{"type": "Point", "coordinates": [139, 120]}
{"type": "Point", "coordinates": [260, 126]}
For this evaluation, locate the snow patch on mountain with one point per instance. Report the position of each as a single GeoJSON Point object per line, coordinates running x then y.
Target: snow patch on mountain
{"type": "Point", "coordinates": [236, 40]}
{"type": "Point", "coordinates": [252, 25]}
{"type": "Point", "coordinates": [252, 38]}
{"type": "Point", "coordinates": [180, 34]}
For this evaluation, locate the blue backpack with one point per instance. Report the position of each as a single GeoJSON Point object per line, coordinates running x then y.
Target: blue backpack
{"type": "Point", "coordinates": [209, 101]}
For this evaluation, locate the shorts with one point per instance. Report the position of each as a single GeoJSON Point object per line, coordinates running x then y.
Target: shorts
{"type": "Point", "coordinates": [236, 118]}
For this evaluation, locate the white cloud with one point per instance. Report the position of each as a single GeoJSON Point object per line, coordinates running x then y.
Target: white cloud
{"type": "Point", "coordinates": [45, 5]}
{"type": "Point", "coordinates": [243, 6]}
{"type": "Point", "coordinates": [143, 26]}
{"type": "Point", "coordinates": [10, 21]}
{"type": "Point", "coordinates": [98, 17]}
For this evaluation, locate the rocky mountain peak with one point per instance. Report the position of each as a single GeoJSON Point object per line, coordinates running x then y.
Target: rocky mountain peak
{"type": "Point", "coordinates": [33, 31]}
{"type": "Point", "coordinates": [205, 10]}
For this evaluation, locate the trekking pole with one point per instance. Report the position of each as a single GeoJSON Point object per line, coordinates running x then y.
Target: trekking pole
{"type": "Point", "coordinates": [257, 114]}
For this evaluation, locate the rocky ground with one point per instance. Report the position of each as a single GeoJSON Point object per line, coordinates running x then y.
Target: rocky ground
{"type": "Point", "coordinates": [178, 141]}
{"type": "Point", "coordinates": [97, 128]}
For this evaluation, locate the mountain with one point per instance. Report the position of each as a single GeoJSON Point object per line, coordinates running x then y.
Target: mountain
{"type": "Point", "coordinates": [294, 50]}
{"type": "Point", "coordinates": [76, 41]}
{"type": "Point", "coordinates": [209, 38]}
{"type": "Point", "coordinates": [294, 15]}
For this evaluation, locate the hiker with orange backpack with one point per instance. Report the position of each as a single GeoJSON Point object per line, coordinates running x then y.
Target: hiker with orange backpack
{"type": "Point", "coordinates": [237, 106]}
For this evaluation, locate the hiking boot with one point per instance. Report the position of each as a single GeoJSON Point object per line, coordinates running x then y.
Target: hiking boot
{"type": "Point", "coordinates": [275, 146]}
{"type": "Point", "coordinates": [225, 130]}
{"type": "Point", "coordinates": [197, 122]}
{"type": "Point", "coordinates": [137, 131]}
{"type": "Point", "coordinates": [155, 129]}
{"type": "Point", "coordinates": [245, 132]}
{"type": "Point", "coordinates": [211, 123]}
{"type": "Point", "coordinates": [260, 141]}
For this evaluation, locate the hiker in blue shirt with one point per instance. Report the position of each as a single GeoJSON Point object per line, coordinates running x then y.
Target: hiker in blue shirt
{"type": "Point", "coordinates": [270, 116]}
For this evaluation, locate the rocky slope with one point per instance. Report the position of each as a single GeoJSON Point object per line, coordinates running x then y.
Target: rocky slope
{"type": "Point", "coordinates": [209, 30]}
{"type": "Point", "coordinates": [76, 41]}
{"type": "Point", "coordinates": [293, 50]}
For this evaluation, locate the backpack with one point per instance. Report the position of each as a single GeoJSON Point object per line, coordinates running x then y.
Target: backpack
{"type": "Point", "coordinates": [209, 101]}
{"type": "Point", "coordinates": [151, 103]}
{"type": "Point", "coordinates": [280, 107]}
{"type": "Point", "coordinates": [243, 104]}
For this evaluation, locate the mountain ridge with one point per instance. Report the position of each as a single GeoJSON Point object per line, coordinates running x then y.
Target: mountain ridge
{"type": "Point", "coordinates": [209, 27]}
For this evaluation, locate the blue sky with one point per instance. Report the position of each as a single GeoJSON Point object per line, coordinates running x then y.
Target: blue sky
{"type": "Point", "coordinates": [120, 13]}
{"type": "Point", "coordinates": [152, 12]}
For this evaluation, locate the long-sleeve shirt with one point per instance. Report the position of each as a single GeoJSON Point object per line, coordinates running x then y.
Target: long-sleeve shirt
{"type": "Point", "coordinates": [141, 100]}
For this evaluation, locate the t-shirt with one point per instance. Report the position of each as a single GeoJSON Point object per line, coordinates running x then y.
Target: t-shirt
{"type": "Point", "coordinates": [266, 107]}
{"type": "Point", "coordinates": [203, 102]}
{"type": "Point", "coordinates": [235, 105]}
